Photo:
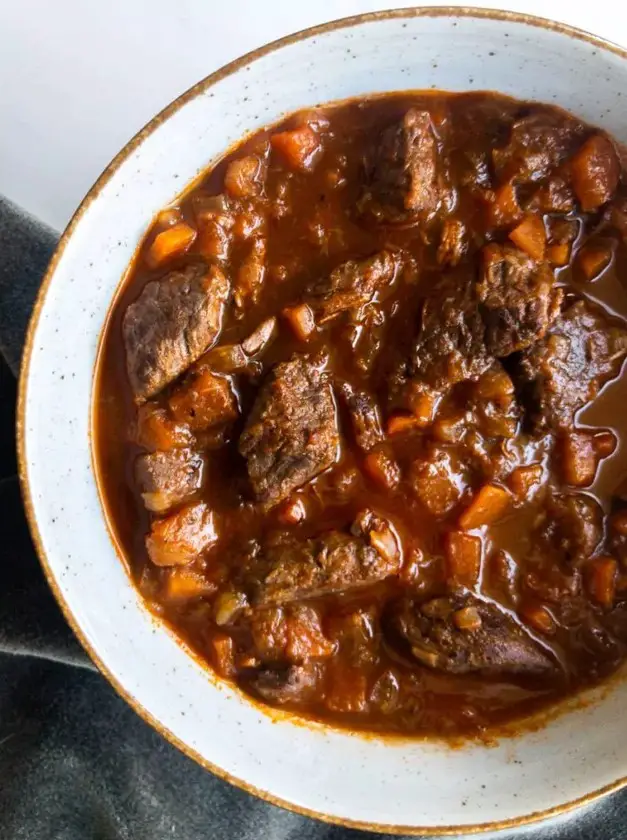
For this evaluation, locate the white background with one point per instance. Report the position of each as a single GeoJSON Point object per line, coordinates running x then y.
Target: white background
{"type": "Point", "coordinates": [79, 77]}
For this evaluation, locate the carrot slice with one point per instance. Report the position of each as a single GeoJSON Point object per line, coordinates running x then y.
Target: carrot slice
{"type": "Point", "coordinates": [488, 505]}
{"type": "Point", "coordinates": [463, 558]}
{"type": "Point", "coordinates": [530, 237]}
{"type": "Point", "coordinates": [170, 243]}
{"type": "Point", "coordinates": [298, 148]}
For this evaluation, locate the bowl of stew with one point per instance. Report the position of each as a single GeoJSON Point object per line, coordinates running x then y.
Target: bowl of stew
{"type": "Point", "coordinates": [321, 421]}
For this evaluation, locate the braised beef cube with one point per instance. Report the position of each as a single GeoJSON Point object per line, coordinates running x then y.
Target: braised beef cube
{"type": "Point", "coordinates": [287, 683]}
{"type": "Point", "coordinates": [537, 144]}
{"type": "Point", "coordinates": [335, 562]}
{"type": "Point", "coordinates": [203, 400]}
{"type": "Point", "coordinates": [402, 171]}
{"type": "Point", "coordinates": [168, 478]}
{"type": "Point", "coordinates": [291, 434]}
{"type": "Point", "coordinates": [565, 370]}
{"type": "Point", "coordinates": [518, 301]}
{"type": "Point", "coordinates": [364, 416]}
{"type": "Point", "coordinates": [450, 346]}
{"type": "Point", "coordinates": [181, 537]}
{"type": "Point", "coordinates": [571, 529]}
{"type": "Point", "coordinates": [463, 634]}
{"type": "Point", "coordinates": [171, 324]}
{"type": "Point", "coordinates": [353, 285]}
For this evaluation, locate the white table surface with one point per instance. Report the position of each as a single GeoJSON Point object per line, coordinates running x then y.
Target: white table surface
{"type": "Point", "coordinates": [79, 77]}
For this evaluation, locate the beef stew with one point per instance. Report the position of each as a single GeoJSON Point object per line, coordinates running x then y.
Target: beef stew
{"type": "Point", "coordinates": [359, 413]}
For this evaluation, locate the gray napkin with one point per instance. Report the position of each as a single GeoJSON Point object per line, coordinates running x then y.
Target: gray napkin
{"type": "Point", "coordinates": [76, 763]}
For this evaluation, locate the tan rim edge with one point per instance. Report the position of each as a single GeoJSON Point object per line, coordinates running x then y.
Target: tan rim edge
{"type": "Point", "coordinates": [199, 88]}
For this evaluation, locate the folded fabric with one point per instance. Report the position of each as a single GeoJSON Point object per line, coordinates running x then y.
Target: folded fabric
{"type": "Point", "coordinates": [76, 763]}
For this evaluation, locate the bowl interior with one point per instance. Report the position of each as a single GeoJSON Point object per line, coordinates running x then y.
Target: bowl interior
{"type": "Point", "coordinates": [388, 785]}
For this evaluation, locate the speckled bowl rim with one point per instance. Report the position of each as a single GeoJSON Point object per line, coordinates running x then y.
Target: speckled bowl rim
{"type": "Point", "coordinates": [196, 90]}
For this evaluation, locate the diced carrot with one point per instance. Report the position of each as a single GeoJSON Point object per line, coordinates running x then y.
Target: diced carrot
{"type": "Point", "coordinates": [604, 443]}
{"type": "Point", "coordinates": [293, 512]}
{"type": "Point", "coordinates": [242, 177]}
{"type": "Point", "coordinates": [203, 400]}
{"type": "Point", "coordinates": [214, 242]}
{"type": "Point", "coordinates": [487, 506]}
{"type": "Point", "coordinates": [505, 209]}
{"type": "Point", "coordinates": [463, 558]}
{"type": "Point", "coordinates": [530, 237]}
{"type": "Point", "coordinates": [449, 429]}
{"type": "Point", "coordinates": [595, 170]}
{"type": "Point", "coordinates": [301, 319]}
{"type": "Point", "coordinates": [602, 580]}
{"type": "Point", "coordinates": [223, 654]}
{"type": "Point", "coordinates": [183, 584]}
{"type": "Point", "coordinates": [299, 148]}
{"type": "Point", "coordinates": [157, 431]}
{"type": "Point", "coordinates": [539, 618]}
{"type": "Point", "coordinates": [170, 243]}
{"type": "Point", "coordinates": [578, 459]}
{"type": "Point", "coordinates": [400, 423]}
{"type": "Point", "coordinates": [467, 619]}
{"type": "Point", "coordinates": [436, 482]}
{"type": "Point", "coordinates": [592, 260]}
{"type": "Point", "coordinates": [423, 406]}
{"type": "Point", "coordinates": [382, 469]}
{"type": "Point", "coordinates": [168, 217]}
{"type": "Point", "coordinates": [558, 254]}
{"type": "Point", "coordinates": [495, 384]}
{"type": "Point", "coordinates": [181, 537]}
{"type": "Point", "coordinates": [524, 479]}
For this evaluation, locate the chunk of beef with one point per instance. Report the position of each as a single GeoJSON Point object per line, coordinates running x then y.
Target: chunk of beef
{"type": "Point", "coordinates": [518, 301]}
{"type": "Point", "coordinates": [537, 144]}
{"type": "Point", "coordinates": [402, 170]}
{"type": "Point", "coordinates": [571, 528]}
{"type": "Point", "coordinates": [364, 416]}
{"type": "Point", "coordinates": [171, 324]}
{"type": "Point", "coordinates": [168, 478]}
{"type": "Point", "coordinates": [450, 346]}
{"type": "Point", "coordinates": [291, 434]}
{"type": "Point", "coordinates": [463, 634]}
{"type": "Point", "coordinates": [181, 537]}
{"type": "Point", "coordinates": [564, 371]}
{"type": "Point", "coordinates": [352, 285]}
{"type": "Point", "coordinates": [287, 683]}
{"type": "Point", "coordinates": [293, 569]}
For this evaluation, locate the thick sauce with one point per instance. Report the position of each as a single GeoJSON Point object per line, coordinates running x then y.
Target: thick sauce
{"type": "Point", "coordinates": [447, 552]}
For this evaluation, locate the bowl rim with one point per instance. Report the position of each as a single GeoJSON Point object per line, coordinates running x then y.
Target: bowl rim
{"type": "Point", "coordinates": [27, 496]}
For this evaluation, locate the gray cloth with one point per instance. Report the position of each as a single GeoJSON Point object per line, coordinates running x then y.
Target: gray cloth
{"type": "Point", "coordinates": [76, 763]}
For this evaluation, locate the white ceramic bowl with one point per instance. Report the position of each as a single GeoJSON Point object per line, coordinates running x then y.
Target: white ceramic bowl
{"type": "Point", "coordinates": [403, 786]}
